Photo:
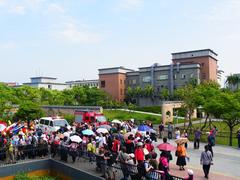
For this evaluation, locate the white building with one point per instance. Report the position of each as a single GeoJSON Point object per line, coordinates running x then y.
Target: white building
{"type": "Point", "coordinates": [89, 83]}
{"type": "Point", "coordinates": [46, 82]}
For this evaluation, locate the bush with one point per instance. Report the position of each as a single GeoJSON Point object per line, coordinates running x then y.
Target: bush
{"type": "Point", "coordinates": [24, 176]}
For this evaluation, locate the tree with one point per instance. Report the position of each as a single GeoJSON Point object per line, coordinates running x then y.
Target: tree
{"type": "Point", "coordinates": [232, 81]}
{"type": "Point", "coordinates": [29, 111]}
{"type": "Point", "coordinates": [165, 94]}
{"type": "Point", "coordinates": [209, 91]}
{"type": "Point", "coordinates": [148, 91]}
{"type": "Point", "coordinates": [7, 98]}
{"type": "Point", "coordinates": [191, 100]}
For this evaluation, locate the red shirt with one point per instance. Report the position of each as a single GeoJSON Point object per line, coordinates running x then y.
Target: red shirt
{"type": "Point", "coordinates": [116, 144]}
{"type": "Point", "coordinates": [139, 154]}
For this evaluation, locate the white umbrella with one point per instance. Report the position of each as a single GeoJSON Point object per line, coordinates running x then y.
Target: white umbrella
{"type": "Point", "coordinates": [66, 134]}
{"type": "Point", "coordinates": [105, 126]}
{"type": "Point", "coordinates": [116, 121]}
{"type": "Point", "coordinates": [76, 139]}
{"type": "Point", "coordinates": [102, 130]}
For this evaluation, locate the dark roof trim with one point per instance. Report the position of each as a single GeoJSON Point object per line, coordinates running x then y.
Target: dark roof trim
{"type": "Point", "coordinates": [195, 51]}
{"type": "Point", "coordinates": [119, 67]}
{"type": "Point", "coordinates": [45, 83]}
{"type": "Point", "coordinates": [42, 77]}
{"type": "Point", "coordinates": [182, 59]}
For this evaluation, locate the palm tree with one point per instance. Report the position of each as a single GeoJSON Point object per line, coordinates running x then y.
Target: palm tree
{"type": "Point", "coordinates": [232, 81]}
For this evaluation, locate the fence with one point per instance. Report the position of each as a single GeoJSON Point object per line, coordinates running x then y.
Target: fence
{"type": "Point", "coordinates": [28, 153]}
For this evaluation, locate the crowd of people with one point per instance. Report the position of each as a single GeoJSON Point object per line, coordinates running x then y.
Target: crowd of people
{"type": "Point", "coordinates": [124, 145]}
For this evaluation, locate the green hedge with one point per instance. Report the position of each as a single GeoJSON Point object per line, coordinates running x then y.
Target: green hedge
{"type": "Point", "coordinates": [24, 176]}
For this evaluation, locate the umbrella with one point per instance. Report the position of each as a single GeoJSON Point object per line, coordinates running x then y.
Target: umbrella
{"type": "Point", "coordinates": [88, 132]}
{"type": "Point", "coordinates": [105, 126]}
{"type": "Point", "coordinates": [76, 139]}
{"type": "Point", "coordinates": [153, 131]}
{"type": "Point", "coordinates": [15, 130]}
{"type": "Point", "coordinates": [166, 147]}
{"type": "Point", "coordinates": [116, 121]}
{"type": "Point", "coordinates": [66, 134]}
{"type": "Point", "coordinates": [128, 134]}
{"type": "Point", "coordinates": [3, 125]}
{"type": "Point", "coordinates": [102, 130]}
{"type": "Point", "coordinates": [181, 140]}
{"type": "Point", "coordinates": [144, 128]}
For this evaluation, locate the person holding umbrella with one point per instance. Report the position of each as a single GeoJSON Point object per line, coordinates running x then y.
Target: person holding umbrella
{"type": "Point", "coordinates": [166, 148]}
{"type": "Point", "coordinates": [181, 154]}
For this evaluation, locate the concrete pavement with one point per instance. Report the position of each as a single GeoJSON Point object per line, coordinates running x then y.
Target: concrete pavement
{"type": "Point", "coordinates": [226, 162]}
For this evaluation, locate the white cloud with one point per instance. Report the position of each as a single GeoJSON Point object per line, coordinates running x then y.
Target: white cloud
{"type": "Point", "coordinates": [18, 9]}
{"type": "Point", "coordinates": [55, 8]}
{"type": "Point", "coordinates": [8, 45]}
{"type": "Point", "coordinates": [131, 4]}
{"type": "Point", "coordinates": [78, 34]}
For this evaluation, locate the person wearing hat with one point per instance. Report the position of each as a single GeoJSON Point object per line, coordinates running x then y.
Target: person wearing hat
{"type": "Point", "coordinates": [190, 175]}
{"type": "Point", "coordinates": [181, 156]}
{"type": "Point", "coordinates": [139, 154]}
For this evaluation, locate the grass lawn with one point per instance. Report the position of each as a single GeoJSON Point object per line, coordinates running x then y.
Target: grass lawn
{"type": "Point", "coordinates": [222, 134]}
{"type": "Point", "coordinates": [124, 115]}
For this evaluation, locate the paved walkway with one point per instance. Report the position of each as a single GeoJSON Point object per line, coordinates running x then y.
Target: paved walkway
{"type": "Point", "coordinates": [226, 162]}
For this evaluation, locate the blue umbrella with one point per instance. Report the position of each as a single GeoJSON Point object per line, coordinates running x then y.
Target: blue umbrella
{"type": "Point", "coordinates": [87, 132]}
{"type": "Point", "coordinates": [144, 128]}
{"type": "Point", "coordinates": [16, 129]}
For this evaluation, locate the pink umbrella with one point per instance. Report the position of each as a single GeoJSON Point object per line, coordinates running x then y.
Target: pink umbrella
{"type": "Point", "coordinates": [166, 147]}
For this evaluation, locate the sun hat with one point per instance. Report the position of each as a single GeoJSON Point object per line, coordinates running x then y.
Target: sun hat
{"type": "Point", "coordinates": [190, 172]}
{"type": "Point", "coordinates": [139, 144]}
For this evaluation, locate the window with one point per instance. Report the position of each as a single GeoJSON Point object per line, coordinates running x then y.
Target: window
{"type": "Point", "coordinates": [203, 75]}
{"type": "Point", "coordinates": [134, 81]}
{"type": "Point", "coordinates": [163, 77]}
{"type": "Point", "coordinates": [121, 92]}
{"type": "Point", "coordinates": [120, 81]}
{"type": "Point", "coordinates": [102, 84]}
{"type": "Point", "coordinates": [46, 122]}
{"type": "Point", "coordinates": [42, 121]}
{"type": "Point", "coordinates": [174, 76]}
{"type": "Point", "coordinates": [183, 76]}
{"type": "Point", "coordinates": [49, 86]}
{"type": "Point", "coordinates": [51, 123]}
{"type": "Point", "coordinates": [146, 79]}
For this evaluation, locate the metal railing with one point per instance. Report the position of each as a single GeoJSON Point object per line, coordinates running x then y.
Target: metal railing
{"type": "Point", "coordinates": [26, 153]}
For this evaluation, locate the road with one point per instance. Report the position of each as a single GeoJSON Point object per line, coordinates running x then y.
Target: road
{"type": "Point", "coordinates": [226, 161]}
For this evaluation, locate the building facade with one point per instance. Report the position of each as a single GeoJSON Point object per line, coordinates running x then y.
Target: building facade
{"type": "Point", "coordinates": [190, 66]}
{"type": "Point", "coordinates": [89, 83]}
{"type": "Point", "coordinates": [168, 77]}
{"type": "Point", "coordinates": [46, 82]}
{"type": "Point", "coordinates": [113, 81]}
{"type": "Point", "coordinates": [206, 58]}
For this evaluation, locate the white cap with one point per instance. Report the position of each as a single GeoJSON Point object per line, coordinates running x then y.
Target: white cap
{"type": "Point", "coordinates": [190, 172]}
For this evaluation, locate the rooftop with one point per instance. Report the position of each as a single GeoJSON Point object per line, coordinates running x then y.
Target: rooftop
{"type": "Point", "coordinates": [201, 50]}
{"type": "Point", "coordinates": [43, 77]}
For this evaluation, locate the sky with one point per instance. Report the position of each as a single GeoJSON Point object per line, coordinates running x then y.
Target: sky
{"type": "Point", "coordinates": [72, 39]}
